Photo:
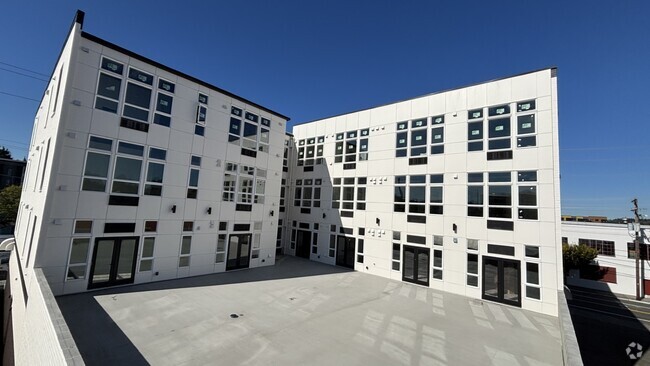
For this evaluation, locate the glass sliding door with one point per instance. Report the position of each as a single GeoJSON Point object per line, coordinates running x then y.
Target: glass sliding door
{"type": "Point", "coordinates": [502, 280]}
{"type": "Point", "coordinates": [113, 262]}
{"type": "Point", "coordinates": [415, 265]}
{"type": "Point", "coordinates": [239, 251]}
{"type": "Point", "coordinates": [345, 251]}
{"type": "Point", "coordinates": [303, 243]}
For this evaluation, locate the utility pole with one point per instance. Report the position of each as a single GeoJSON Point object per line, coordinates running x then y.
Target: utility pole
{"type": "Point", "coordinates": [637, 229]}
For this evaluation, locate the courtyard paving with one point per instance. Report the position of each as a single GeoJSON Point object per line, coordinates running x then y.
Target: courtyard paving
{"type": "Point", "coordinates": [300, 312]}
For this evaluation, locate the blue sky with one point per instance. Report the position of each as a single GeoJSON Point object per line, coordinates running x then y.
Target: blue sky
{"type": "Point", "coordinates": [313, 59]}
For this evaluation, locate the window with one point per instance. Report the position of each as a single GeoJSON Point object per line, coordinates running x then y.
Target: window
{"type": "Point", "coordinates": [78, 260]}
{"type": "Point", "coordinates": [475, 130]}
{"type": "Point", "coordinates": [532, 281]}
{"type": "Point", "coordinates": [360, 243]}
{"type": "Point", "coordinates": [248, 183]}
{"type": "Point", "coordinates": [221, 249]}
{"type": "Point", "coordinates": [150, 226]}
{"type": "Point", "coordinates": [188, 225]}
{"type": "Point", "coordinates": [604, 247]}
{"type": "Point", "coordinates": [475, 194]}
{"type": "Point", "coordinates": [499, 195]}
{"type": "Point", "coordinates": [108, 86]}
{"type": "Point", "coordinates": [146, 259]}
{"type": "Point", "coordinates": [83, 227]}
{"type": "Point", "coordinates": [314, 242]}
{"type": "Point", "coordinates": [396, 256]}
{"type": "Point", "coordinates": [203, 98]}
{"type": "Point", "coordinates": [472, 269]}
{"type": "Point", "coordinates": [164, 101]}
{"type": "Point", "coordinates": [399, 196]}
{"type": "Point", "coordinates": [186, 248]}
{"type": "Point", "coordinates": [526, 124]}
{"type": "Point", "coordinates": [332, 248]}
{"type": "Point", "coordinates": [437, 264]}
{"type": "Point", "coordinates": [526, 184]}
{"type": "Point", "coordinates": [230, 182]}
{"type": "Point", "coordinates": [126, 175]}
{"type": "Point", "coordinates": [343, 196]}
{"type": "Point", "coordinates": [307, 194]}
{"type": "Point", "coordinates": [193, 184]}
{"type": "Point", "coordinates": [311, 151]}
{"type": "Point", "coordinates": [644, 251]}
{"type": "Point", "coordinates": [137, 100]}
{"type": "Point", "coordinates": [435, 194]}
{"type": "Point", "coordinates": [437, 135]}
{"type": "Point", "coordinates": [531, 251]}
{"type": "Point", "coordinates": [47, 154]}
{"type": "Point", "coordinates": [499, 133]}
{"type": "Point", "coordinates": [155, 171]}
{"type": "Point", "coordinates": [97, 163]}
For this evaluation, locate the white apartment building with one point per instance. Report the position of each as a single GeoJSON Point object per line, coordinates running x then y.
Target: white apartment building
{"type": "Point", "coordinates": [138, 172]}
{"type": "Point", "coordinates": [615, 266]}
{"type": "Point", "coordinates": [457, 191]}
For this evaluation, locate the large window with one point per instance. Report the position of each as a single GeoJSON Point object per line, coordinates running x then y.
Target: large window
{"type": "Point", "coordinates": [164, 102]}
{"type": "Point", "coordinates": [500, 195]}
{"type": "Point", "coordinates": [155, 172]}
{"type": "Point", "coordinates": [128, 167]}
{"type": "Point", "coordinates": [499, 127]}
{"type": "Point", "coordinates": [146, 258]}
{"type": "Point", "coordinates": [351, 146]}
{"type": "Point", "coordinates": [137, 101]}
{"type": "Point", "coordinates": [98, 160]}
{"type": "Point", "coordinates": [437, 135]}
{"type": "Point", "coordinates": [186, 249]}
{"type": "Point", "coordinates": [475, 194]}
{"type": "Point", "coordinates": [307, 194]}
{"type": "Point", "coordinates": [310, 151]}
{"type": "Point", "coordinates": [108, 85]}
{"type": "Point", "coordinates": [345, 194]}
{"type": "Point", "coordinates": [437, 257]}
{"type": "Point", "coordinates": [526, 124]}
{"type": "Point", "coordinates": [527, 197]}
{"type": "Point", "coordinates": [245, 131]}
{"type": "Point", "coordinates": [604, 247]}
{"type": "Point", "coordinates": [244, 184]}
{"type": "Point", "coordinates": [475, 130]}
{"type": "Point", "coordinates": [436, 194]}
{"type": "Point", "coordinates": [78, 261]}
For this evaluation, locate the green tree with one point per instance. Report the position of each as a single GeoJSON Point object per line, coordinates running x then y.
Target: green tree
{"type": "Point", "coordinates": [5, 153]}
{"type": "Point", "coordinates": [9, 201]}
{"type": "Point", "coordinates": [577, 256]}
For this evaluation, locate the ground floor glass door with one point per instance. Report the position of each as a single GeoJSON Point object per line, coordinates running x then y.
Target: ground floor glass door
{"type": "Point", "coordinates": [502, 281]}
{"type": "Point", "coordinates": [239, 251]}
{"type": "Point", "coordinates": [415, 265]}
{"type": "Point", "coordinates": [113, 262]}
{"type": "Point", "coordinates": [303, 243]}
{"type": "Point", "coordinates": [345, 252]}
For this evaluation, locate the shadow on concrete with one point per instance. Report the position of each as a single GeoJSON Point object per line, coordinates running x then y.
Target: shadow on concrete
{"type": "Point", "coordinates": [611, 329]}
{"type": "Point", "coordinates": [101, 341]}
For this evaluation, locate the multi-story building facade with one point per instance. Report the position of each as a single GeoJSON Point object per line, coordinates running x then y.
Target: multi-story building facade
{"type": "Point", "coordinates": [615, 267]}
{"type": "Point", "coordinates": [457, 190]}
{"type": "Point", "coordinates": [138, 172]}
{"type": "Point", "coordinates": [11, 172]}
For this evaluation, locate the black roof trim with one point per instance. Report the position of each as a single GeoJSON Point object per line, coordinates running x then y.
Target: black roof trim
{"type": "Point", "coordinates": [79, 18]}
{"type": "Point", "coordinates": [552, 68]}
{"type": "Point", "coordinates": [117, 48]}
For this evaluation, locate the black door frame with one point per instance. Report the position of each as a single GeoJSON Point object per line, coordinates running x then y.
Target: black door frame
{"type": "Point", "coordinates": [342, 260]}
{"type": "Point", "coordinates": [303, 236]}
{"type": "Point", "coordinates": [500, 277]}
{"type": "Point", "coordinates": [238, 264]}
{"type": "Point", "coordinates": [112, 277]}
{"type": "Point", "coordinates": [416, 250]}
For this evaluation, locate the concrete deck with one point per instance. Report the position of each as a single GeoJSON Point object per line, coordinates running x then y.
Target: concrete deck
{"type": "Point", "coordinates": [302, 313]}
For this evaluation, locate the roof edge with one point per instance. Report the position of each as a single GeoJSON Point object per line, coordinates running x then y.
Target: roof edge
{"type": "Point", "coordinates": [135, 55]}
{"type": "Point", "coordinates": [552, 68]}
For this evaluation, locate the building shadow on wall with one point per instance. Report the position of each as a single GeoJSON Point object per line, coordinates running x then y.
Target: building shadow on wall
{"type": "Point", "coordinates": [611, 329]}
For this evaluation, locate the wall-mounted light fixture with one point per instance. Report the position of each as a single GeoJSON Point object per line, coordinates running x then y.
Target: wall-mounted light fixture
{"type": "Point", "coordinates": [455, 228]}
{"type": "Point", "coordinates": [271, 213]}
{"type": "Point", "coordinates": [324, 215]}
{"type": "Point", "coordinates": [377, 221]}
{"type": "Point", "coordinates": [173, 209]}
{"type": "Point", "coordinates": [209, 210]}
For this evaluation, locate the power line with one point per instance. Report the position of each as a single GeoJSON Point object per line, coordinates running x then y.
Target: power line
{"type": "Point", "coordinates": [20, 96]}
{"type": "Point", "coordinates": [15, 142]}
{"type": "Point", "coordinates": [21, 74]}
{"type": "Point", "coordinates": [24, 69]}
